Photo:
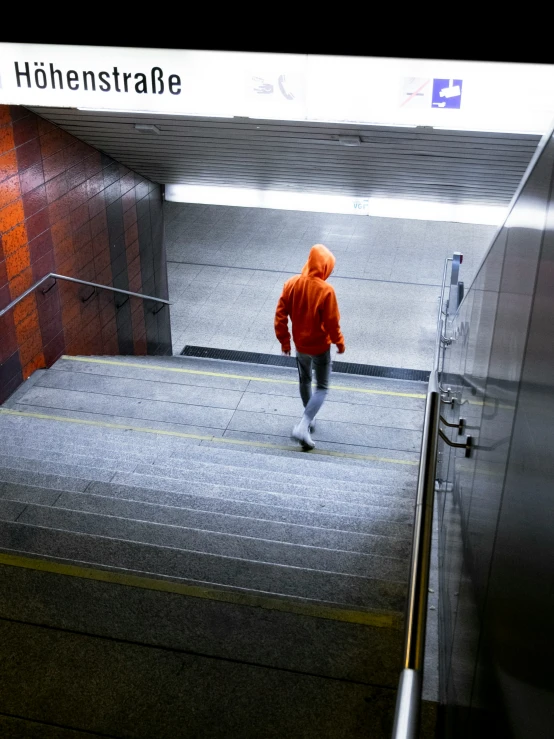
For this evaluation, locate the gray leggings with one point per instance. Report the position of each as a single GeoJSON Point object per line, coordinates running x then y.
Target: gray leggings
{"type": "Point", "coordinates": [321, 363]}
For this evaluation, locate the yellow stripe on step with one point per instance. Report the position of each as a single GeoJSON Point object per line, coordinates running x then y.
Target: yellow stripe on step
{"type": "Point", "coordinates": [235, 377]}
{"type": "Point", "coordinates": [214, 439]}
{"type": "Point", "coordinates": [380, 619]}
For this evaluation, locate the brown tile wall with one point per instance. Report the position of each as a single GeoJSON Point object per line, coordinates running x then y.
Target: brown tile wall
{"type": "Point", "coordinates": [67, 208]}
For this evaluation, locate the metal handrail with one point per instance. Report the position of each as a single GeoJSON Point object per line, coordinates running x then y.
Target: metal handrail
{"type": "Point", "coordinates": [408, 699]}
{"type": "Point", "coordinates": [54, 276]}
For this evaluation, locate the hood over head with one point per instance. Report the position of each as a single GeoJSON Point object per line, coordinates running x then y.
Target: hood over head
{"type": "Point", "coordinates": [320, 262]}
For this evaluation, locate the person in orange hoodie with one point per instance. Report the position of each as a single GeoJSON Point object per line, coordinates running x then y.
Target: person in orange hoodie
{"type": "Point", "coordinates": [312, 306]}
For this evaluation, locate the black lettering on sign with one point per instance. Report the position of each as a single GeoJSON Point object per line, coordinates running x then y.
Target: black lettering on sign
{"type": "Point", "coordinates": [19, 74]}
{"type": "Point", "coordinates": [90, 75]}
{"type": "Point", "coordinates": [116, 79]}
{"type": "Point", "coordinates": [86, 79]}
{"type": "Point", "coordinates": [160, 74]}
{"type": "Point", "coordinates": [52, 77]}
{"type": "Point", "coordinates": [72, 80]}
{"type": "Point", "coordinates": [174, 82]}
{"type": "Point", "coordinates": [104, 78]}
{"type": "Point", "coordinates": [140, 86]}
{"type": "Point", "coordinates": [40, 77]}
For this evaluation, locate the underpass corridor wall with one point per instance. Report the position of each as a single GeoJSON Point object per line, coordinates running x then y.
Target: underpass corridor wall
{"type": "Point", "coordinates": [496, 543]}
{"type": "Point", "coordinates": [68, 208]}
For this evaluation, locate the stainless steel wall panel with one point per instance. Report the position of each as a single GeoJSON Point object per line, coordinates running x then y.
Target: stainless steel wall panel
{"type": "Point", "coordinates": [497, 522]}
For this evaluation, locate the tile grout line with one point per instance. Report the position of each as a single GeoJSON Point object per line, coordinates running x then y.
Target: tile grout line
{"type": "Point", "coordinates": [21, 513]}
{"type": "Point", "coordinates": [290, 272]}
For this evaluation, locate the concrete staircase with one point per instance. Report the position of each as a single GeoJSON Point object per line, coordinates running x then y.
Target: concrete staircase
{"type": "Point", "coordinates": [167, 551]}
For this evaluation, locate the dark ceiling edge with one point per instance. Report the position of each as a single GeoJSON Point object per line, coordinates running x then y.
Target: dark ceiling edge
{"type": "Point", "coordinates": [313, 37]}
{"type": "Point", "coordinates": [248, 121]}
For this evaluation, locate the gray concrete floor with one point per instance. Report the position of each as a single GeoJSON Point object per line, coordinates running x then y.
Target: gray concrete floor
{"type": "Point", "coordinates": [227, 266]}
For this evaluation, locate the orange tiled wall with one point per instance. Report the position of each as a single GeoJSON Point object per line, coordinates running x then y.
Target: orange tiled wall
{"type": "Point", "coordinates": [67, 208]}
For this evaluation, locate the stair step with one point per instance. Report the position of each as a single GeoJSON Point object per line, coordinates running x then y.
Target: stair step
{"type": "Point", "coordinates": [385, 507]}
{"type": "Point", "coordinates": [105, 687]}
{"type": "Point", "coordinates": [369, 481]}
{"type": "Point", "coordinates": [183, 538]}
{"type": "Point", "coordinates": [131, 366]}
{"type": "Point", "coordinates": [204, 504]}
{"type": "Point", "coordinates": [42, 480]}
{"type": "Point", "coordinates": [140, 411]}
{"type": "Point", "coordinates": [123, 389]}
{"type": "Point", "coordinates": [224, 523]}
{"type": "Point", "coordinates": [203, 393]}
{"type": "Point", "coordinates": [312, 488]}
{"type": "Point", "coordinates": [305, 497]}
{"type": "Point", "coordinates": [335, 466]}
{"type": "Point", "coordinates": [332, 467]}
{"type": "Point", "coordinates": [245, 633]}
{"type": "Point", "coordinates": [212, 421]}
{"type": "Point", "coordinates": [55, 468]}
{"type": "Point", "coordinates": [38, 459]}
{"type": "Point", "coordinates": [97, 453]}
{"type": "Point", "coordinates": [27, 471]}
{"type": "Point", "coordinates": [195, 567]}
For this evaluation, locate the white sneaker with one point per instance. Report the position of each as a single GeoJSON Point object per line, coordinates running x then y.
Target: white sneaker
{"type": "Point", "coordinates": [302, 436]}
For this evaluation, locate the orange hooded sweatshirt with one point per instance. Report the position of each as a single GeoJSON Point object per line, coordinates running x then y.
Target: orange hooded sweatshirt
{"type": "Point", "coordinates": [312, 306]}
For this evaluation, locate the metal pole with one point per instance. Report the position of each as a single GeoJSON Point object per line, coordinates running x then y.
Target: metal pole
{"type": "Point", "coordinates": [416, 613]}
{"type": "Point", "coordinates": [406, 717]}
{"type": "Point", "coordinates": [457, 259]}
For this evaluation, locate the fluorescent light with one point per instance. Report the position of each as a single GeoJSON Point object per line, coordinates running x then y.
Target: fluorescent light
{"type": "Point", "coordinates": [423, 210]}
{"type": "Point", "coordinates": [273, 199]}
{"type": "Point", "coordinates": [318, 203]}
{"type": "Point", "coordinates": [400, 125]}
{"type": "Point", "coordinates": [498, 129]}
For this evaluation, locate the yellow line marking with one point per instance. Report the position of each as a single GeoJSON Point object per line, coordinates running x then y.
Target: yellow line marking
{"type": "Point", "coordinates": [235, 377]}
{"type": "Point", "coordinates": [198, 437]}
{"type": "Point", "coordinates": [381, 619]}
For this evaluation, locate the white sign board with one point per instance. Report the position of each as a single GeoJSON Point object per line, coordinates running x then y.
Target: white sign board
{"type": "Point", "coordinates": [302, 87]}
{"type": "Point", "coordinates": [153, 80]}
